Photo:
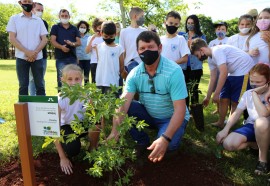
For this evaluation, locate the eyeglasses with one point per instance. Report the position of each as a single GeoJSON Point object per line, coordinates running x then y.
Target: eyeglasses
{"type": "Point", "coordinates": [152, 88]}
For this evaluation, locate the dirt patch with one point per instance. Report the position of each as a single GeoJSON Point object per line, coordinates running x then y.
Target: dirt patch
{"type": "Point", "coordinates": [179, 169]}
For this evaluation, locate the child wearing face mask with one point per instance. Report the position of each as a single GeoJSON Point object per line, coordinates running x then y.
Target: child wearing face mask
{"type": "Point", "coordinates": [220, 29]}
{"type": "Point", "coordinates": [256, 129]}
{"type": "Point", "coordinates": [92, 43]}
{"type": "Point", "coordinates": [110, 59]}
{"type": "Point", "coordinates": [244, 25]}
{"type": "Point", "coordinates": [128, 38]}
{"type": "Point", "coordinates": [257, 44]}
{"type": "Point", "coordinates": [174, 47]}
{"type": "Point", "coordinates": [82, 56]}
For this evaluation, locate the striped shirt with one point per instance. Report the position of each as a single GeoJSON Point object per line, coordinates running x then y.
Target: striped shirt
{"type": "Point", "coordinates": [158, 94]}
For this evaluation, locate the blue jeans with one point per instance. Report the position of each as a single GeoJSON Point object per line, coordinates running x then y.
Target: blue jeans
{"type": "Point", "coordinates": [32, 87]}
{"type": "Point", "coordinates": [22, 68]}
{"type": "Point", "coordinates": [137, 110]}
{"type": "Point", "coordinates": [132, 65]}
{"type": "Point", "coordinates": [60, 63]}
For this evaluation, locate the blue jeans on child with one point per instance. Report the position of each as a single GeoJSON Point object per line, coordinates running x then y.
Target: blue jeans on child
{"type": "Point", "coordinates": [137, 110]}
{"type": "Point", "coordinates": [22, 68]}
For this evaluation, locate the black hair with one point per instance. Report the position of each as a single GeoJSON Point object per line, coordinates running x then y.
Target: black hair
{"type": "Point", "coordinates": [174, 14]}
{"type": "Point", "coordinates": [197, 26]}
{"type": "Point", "coordinates": [38, 3]}
{"type": "Point", "coordinates": [108, 28]}
{"type": "Point", "coordinates": [148, 36]}
{"type": "Point", "coordinates": [86, 24]}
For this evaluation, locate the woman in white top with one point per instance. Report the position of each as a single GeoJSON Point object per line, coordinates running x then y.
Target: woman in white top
{"type": "Point", "coordinates": [258, 42]}
{"type": "Point", "coordinates": [244, 25]}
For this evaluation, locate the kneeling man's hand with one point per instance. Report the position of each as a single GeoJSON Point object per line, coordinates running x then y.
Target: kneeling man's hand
{"type": "Point", "coordinates": [159, 147]}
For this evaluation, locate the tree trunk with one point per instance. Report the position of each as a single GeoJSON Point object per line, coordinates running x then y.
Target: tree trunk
{"type": "Point", "coordinates": [122, 9]}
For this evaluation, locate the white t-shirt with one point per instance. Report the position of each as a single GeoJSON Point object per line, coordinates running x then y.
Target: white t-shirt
{"type": "Point", "coordinates": [95, 42]}
{"type": "Point", "coordinates": [246, 102]}
{"type": "Point", "coordinates": [257, 42]}
{"type": "Point", "coordinates": [218, 42]}
{"type": "Point", "coordinates": [28, 32]}
{"type": "Point", "coordinates": [174, 48]}
{"type": "Point", "coordinates": [108, 65]}
{"type": "Point", "coordinates": [237, 41]}
{"type": "Point", "coordinates": [238, 62]}
{"type": "Point", "coordinates": [68, 111]}
{"type": "Point", "coordinates": [127, 40]}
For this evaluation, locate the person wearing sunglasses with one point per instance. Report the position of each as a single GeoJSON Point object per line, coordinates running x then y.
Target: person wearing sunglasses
{"type": "Point", "coordinates": [162, 91]}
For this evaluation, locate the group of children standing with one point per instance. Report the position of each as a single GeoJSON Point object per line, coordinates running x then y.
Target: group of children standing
{"type": "Point", "coordinates": [230, 64]}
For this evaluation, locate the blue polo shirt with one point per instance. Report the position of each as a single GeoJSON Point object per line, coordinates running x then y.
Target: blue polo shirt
{"type": "Point", "coordinates": [169, 84]}
{"type": "Point", "coordinates": [65, 34]}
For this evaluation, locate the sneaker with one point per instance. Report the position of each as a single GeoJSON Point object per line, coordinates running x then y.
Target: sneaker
{"type": "Point", "coordinates": [261, 168]}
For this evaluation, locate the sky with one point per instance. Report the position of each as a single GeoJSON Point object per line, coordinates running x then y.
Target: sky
{"type": "Point", "coordinates": [216, 9]}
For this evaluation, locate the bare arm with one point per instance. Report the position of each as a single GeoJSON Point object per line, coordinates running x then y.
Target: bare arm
{"type": "Point", "coordinates": [89, 47]}
{"type": "Point", "coordinates": [18, 45]}
{"type": "Point", "coordinates": [213, 78]}
{"type": "Point", "coordinates": [263, 111]}
{"type": "Point", "coordinates": [117, 120]}
{"type": "Point", "coordinates": [182, 60]}
{"type": "Point", "coordinates": [123, 72]}
{"type": "Point", "coordinates": [160, 145]}
{"type": "Point", "coordinates": [57, 45]}
{"type": "Point", "coordinates": [230, 123]}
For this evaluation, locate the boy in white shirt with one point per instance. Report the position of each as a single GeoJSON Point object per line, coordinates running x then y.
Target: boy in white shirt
{"type": "Point", "coordinates": [221, 30]}
{"type": "Point", "coordinates": [233, 65]}
{"type": "Point", "coordinates": [91, 46]}
{"type": "Point", "coordinates": [128, 38]}
{"type": "Point", "coordinates": [110, 59]}
{"type": "Point", "coordinates": [174, 47]}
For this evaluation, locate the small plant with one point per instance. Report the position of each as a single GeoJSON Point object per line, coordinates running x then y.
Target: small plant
{"type": "Point", "coordinates": [110, 155]}
{"type": "Point", "coordinates": [192, 91]}
{"type": "Point", "coordinates": [196, 108]}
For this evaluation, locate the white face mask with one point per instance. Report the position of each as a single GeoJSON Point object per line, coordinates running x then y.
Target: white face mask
{"type": "Point", "coordinates": [64, 21]}
{"type": "Point", "coordinates": [82, 30]}
{"type": "Point", "coordinates": [38, 14]}
{"type": "Point", "coordinates": [244, 30]}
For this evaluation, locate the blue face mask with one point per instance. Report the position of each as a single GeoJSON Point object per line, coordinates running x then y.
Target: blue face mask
{"type": "Point", "coordinates": [253, 86]}
{"type": "Point", "coordinates": [221, 34]}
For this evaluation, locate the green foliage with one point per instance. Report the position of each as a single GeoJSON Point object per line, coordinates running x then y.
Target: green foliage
{"type": "Point", "coordinates": [155, 10]}
{"type": "Point", "coordinates": [207, 27]}
{"type": "Point", "coordinates": [191, 90]}
{"type": "Point", "coordinates": [110, 155]}
{"type": "Point", "coordinates": [232, 27]}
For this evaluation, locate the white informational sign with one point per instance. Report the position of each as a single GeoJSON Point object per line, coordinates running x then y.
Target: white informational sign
{"type": "Point", "coordinates": [43, 115]}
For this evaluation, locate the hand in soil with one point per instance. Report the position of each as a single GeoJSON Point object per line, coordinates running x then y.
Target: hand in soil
{"type": "Point", "coordinates": [66, 166]}
{"type": "Point", "coordinates": [159, 148]}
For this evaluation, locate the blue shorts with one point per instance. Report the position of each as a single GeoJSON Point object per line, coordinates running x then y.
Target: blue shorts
{"type": "Point", "coordinates": [234, 87]}
{"type": "Point", "coordinates": [248, 131]}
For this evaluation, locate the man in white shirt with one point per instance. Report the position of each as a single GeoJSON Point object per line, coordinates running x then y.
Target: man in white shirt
{"type": "Point", "coordinates": [27, 33]}
{"type": "Point", "coordinates": [128, 38]}
{"type": "Point", "coordinates": [233, 65]}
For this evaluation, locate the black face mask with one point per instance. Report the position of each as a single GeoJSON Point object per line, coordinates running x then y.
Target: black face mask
{"type": "Point", "coordinates": [109, 40]}
{"type": "Point", "coordinates": [149, 57]}
{"type": "Point", "coordinates": [27, 7]}
{"type": "Point", "coordinates": [203, 57]}
{"type": "Point", "coordinates": [171, 29]}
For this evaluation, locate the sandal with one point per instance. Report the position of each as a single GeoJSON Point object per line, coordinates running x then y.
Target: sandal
{"type": "Point", "coordinates": [261, 168]}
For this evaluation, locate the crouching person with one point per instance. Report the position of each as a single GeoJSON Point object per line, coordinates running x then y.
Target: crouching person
{"type": "Point", "coordinates": [162, 91]}
{"type": "Point", "coordinates": [256, 129]}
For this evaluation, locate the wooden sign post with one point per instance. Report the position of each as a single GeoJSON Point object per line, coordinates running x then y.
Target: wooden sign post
{"type": "Point", "coordinates": [25, 144]}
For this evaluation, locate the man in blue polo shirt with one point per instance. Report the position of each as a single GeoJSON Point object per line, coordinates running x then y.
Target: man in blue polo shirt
{"type": "Point", "coordinates": [65, 38]}
{"type": "Point", "coordinates": [162, 91]}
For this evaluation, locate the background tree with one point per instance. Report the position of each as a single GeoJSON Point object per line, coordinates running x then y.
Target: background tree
{"type": "Point", "coordinates": [232, 27]}
{"type": "Point", "coordinates": [207, 27]}
{"type": "Point", "coordinates": [6, 11]}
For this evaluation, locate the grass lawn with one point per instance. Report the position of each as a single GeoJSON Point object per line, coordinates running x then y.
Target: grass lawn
{"type": "Point", "coordinates": [237, 166]}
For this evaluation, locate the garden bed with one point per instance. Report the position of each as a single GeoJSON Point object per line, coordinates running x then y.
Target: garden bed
{"type": "Point", "coordinates": [181, 169]}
